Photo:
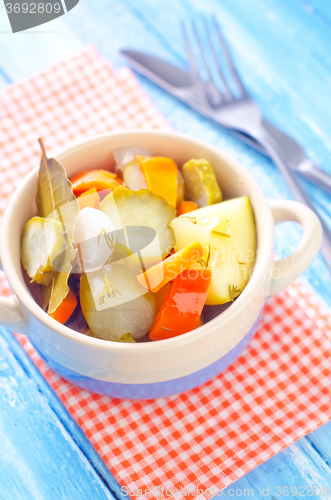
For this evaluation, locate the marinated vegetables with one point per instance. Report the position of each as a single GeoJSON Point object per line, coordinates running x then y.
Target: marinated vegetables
{"type": "Point", "coordinates": [139, 253]}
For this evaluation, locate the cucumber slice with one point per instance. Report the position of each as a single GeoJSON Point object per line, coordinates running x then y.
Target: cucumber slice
{"type": "Point", "coordinates": [42, 241]}
{"type": "Point", "coordinates": [143, 208]}
{"type": "Point", "coordinates": [114, 303]}
{"type": "Point", "coordinates": [200, 183]}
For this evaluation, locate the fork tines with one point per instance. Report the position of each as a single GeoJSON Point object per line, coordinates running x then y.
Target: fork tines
{"type": "Point", "coordinates": [210, 60]}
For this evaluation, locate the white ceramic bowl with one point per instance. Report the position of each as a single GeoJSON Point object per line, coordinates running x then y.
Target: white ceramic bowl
{"type": "Point", "coordinates": [154, 369]}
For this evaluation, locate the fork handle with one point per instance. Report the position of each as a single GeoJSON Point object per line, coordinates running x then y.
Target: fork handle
{"type": "Point", "coordinates": [297, 190]}
{"type": "Point", "coordinates": [317, 175]}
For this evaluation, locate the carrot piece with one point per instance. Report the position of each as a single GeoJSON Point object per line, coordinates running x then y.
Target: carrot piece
{"type": "Point", "coordinates": [63, 312]}
{"type": "Point", "coordinates": [161, 175]}
{"type": "Point", "coordinates": [161, 296]}
{"type": "Point", "coordinates": [185, 207]}
{"type": "Point", "coordinates": [160, 274]}
{"type": "Point", "coordinates": [87, 175]}
{"type": "Point", "coordinates": [183, 306]}
{"type": "Point", "coordinates": [89, 199]}
{"type": "Point", "coordinates": [100, 179]}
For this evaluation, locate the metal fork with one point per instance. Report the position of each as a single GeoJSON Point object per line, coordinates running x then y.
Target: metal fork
{"type": "Point", "coordinates": [237, 110]}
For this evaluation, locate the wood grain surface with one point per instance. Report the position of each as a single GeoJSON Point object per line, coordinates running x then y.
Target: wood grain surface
{"type": "Point", "coordinates": [282, 49]}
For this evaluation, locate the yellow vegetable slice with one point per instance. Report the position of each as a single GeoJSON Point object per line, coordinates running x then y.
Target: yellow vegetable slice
{"type": "Point", "coordinates": [42, 241]}
{"type": "Point", "coordinates": [158, 276]}
{"type": "Point", "coordinates": [200, 183]}
{"type": "Point", "coordinates": [115, 304]}
{"type": "Point", "coordinates": [161, 175]}
{"type": "Point", "coordinates": [227, 233]}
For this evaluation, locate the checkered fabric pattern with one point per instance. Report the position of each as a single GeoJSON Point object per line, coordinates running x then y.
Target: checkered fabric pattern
{"type": "Point", "coordinates": [277, 391]}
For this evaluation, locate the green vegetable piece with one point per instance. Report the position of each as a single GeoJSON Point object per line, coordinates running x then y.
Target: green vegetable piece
{"type": "Point", "coordinates": [142, 208]}
{"type": "Point", "coordinates": [127, 339]}
{"type": "Point", "coordinates": [43, 240]}
{"type": "Point", "coordinates": [115, 304]}
{"type": "Point", "coordinates": [200, 183]}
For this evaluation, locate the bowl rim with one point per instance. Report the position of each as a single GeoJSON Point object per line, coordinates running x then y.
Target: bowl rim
{"type": "Point", "coordinates": [261, 266]}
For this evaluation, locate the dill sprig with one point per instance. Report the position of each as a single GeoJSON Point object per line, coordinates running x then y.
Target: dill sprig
{"type": "Point", "coordinates": [192, 219]}
{"type": "Point", "coordinates": [109, 239]}
{"type": "Point", "coordinates": [234, 292]}
{"type": "Point", "coordinates": [204, 263]}
{"type": "Point", "coordinates": [108, 290]}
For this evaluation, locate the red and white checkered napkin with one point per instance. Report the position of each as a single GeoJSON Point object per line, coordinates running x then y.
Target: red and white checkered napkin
{"type": "Point", "coordinates": [276, 392]}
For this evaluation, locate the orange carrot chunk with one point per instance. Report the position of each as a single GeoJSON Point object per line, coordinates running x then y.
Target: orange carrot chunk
{"type": "Point", "coordinates": [161, 296]}
{"type": "Point", "coordinates": [183, 306]}
{"type": "Point", "coordinates": [89, 199]}
{"type": "Point", "coordinates": [63, 312]}
{"type": "Point", "coordinates": [157, 276]}
{"type": "Point", "coordinates": [161, 176]}
{"type": "Point", "coordinates": [99, 179]}
{"type": "Point", "coordinates": [185, 207]}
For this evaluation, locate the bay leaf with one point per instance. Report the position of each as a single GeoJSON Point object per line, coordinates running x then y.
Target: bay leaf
{"type": "Point", "coordinates": [55, 193]}
{"type": "Point", "coordinates": [55, 199]}
{"type": "Point", "coordinates": [59, 291]}
{"type": "Point", "coordinates": [45, 296]}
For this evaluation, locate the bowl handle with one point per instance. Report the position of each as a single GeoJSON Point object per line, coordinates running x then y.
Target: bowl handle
{"type": "Point", "coordinates": [285, 271]}
{"type": "Point", "coordinates": [11, 314]}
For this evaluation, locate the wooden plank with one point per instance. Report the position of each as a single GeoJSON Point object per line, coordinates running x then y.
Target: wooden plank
{"type": "Point", "coordinates": [321, 9]}
{"type": "Point", "coordinates": [282, 476]}
{"type": "Point", "coordinates": [266, 44]}
{"type": "Point", "coordinates": [4, 79]}
{"type": "Point", "coordinates": [321, 441]}
{"type": "Point", "coordinates": [112, 26]}
{"type": "Point", "coordinates": [39, 458]}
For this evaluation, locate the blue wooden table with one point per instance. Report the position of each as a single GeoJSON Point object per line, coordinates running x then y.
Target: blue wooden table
{"type": "Point", "coordinates": [283, 51]}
